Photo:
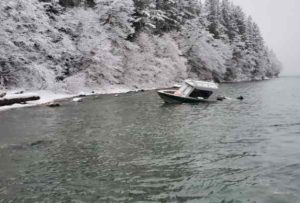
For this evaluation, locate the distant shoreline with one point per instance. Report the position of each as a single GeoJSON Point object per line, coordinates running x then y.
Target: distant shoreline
{"type": "Point", "coordinates": [50, 97]}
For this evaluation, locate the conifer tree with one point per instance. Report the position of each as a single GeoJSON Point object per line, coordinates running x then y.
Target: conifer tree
{"type": "Point", "coordinates": [249, 34]}
{"type": "Point", "coordinates": [171, 17]}
{"type": "Point", "coordinates": [189, 9]}
{"type": "Point", "coordinates": [258, 41]}
{"type": "Point", "coordinates": [143, 16]}
{"type": "Point", "coordinates": [157, 15]}
{"type": "Point", "coordinates": [227, 20]}
{"type": "Point", "coordinates": [212, 10]}
{"type": "Point", "coordinates": [239, 18]}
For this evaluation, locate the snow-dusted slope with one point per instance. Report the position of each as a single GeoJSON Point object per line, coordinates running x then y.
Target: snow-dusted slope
{"type": "Point", "coordinates": [46, 46]}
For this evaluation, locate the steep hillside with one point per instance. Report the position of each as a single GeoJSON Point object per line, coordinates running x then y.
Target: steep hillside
{"type": "Point", "coordinates": [73, 45]}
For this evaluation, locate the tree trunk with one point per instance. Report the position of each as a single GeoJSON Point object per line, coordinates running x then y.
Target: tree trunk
{"type": "Point", "coordinates": [17, 100]}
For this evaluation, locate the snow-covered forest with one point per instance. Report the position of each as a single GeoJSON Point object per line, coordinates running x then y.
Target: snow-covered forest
{"type": "Point", "coordinates": [73, 45]}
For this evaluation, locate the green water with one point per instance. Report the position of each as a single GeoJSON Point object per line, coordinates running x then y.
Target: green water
{"type": "Point", "coordinates": [133, 148]}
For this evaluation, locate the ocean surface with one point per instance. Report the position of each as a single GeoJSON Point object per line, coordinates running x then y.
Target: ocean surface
{"type": "Point", "coordinates": [134, 148]}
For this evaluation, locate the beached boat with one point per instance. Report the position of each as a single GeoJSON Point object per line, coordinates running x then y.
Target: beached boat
{"type": "Point", "coordinates": [191, 92]}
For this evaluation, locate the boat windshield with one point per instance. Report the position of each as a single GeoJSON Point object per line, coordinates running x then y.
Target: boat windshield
{"type": "Point", "coordinates": [201, 93]}
{"type": "Point", "coordinates": [186, 90]}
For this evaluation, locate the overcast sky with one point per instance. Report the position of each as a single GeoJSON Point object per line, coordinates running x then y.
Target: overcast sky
{"type": "Point", "coordinates": [279, 21]}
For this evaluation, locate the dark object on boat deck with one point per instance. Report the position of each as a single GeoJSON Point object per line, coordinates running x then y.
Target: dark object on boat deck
{"type": "Point", "coordinates": [221, 98]}
{"type": "Point", "coordinates": [191, 92]}
{"type": "Point", "coordinates": [240, 98]}
{"type": "Point", "coordinates": [53, 105]}
{"type": "Point", "coordinates": [17, 100]}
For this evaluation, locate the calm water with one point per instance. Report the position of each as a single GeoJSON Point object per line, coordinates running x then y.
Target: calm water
{"type": "Point", "coordinates": [132, 148]}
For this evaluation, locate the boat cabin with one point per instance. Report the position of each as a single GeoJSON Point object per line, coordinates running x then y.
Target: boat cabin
{"type": "Point", "coordinates": [198, 89]}
{"type": "Point", "coordinates": [191, 92]}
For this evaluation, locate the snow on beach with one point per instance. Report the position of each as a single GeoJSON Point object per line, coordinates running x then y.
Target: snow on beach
{"type": "Point", "coordinates": [48, 97]}
{"type": "Point", "coordinates": [45, 97]}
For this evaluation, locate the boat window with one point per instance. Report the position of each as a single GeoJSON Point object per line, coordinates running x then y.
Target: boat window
{"type": "Point", "coordinates": [201, 93]}
{"type": "Point", "coordinates": [183, 88]}
{"type": "Point", "coordinates": [187, 91]}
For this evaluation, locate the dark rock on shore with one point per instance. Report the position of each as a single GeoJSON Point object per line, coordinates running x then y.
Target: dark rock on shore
{"type": "Point", "coordinates": [54, 105]}
{"type": "Point", "coordinates": [19, 92]}
{"type": "Point", "coordinates": [2, 94]}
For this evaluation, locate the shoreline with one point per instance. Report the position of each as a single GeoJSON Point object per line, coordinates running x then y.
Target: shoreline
{"type": "Point", "coordinates": [49, 97]}
{"type": "Point", "coordinates": [46, 97]}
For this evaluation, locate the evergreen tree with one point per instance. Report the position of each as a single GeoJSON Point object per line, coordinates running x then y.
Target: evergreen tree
{"type": "Point", "coordinates": [165, 15]}
{"type": "Point", "coordinates": [212, 10]}
{"type": "Point", "coordinates": [201, 15]}
{"type": "Point", "coordinates": [249, 34]}
{"type": "Point", "coordinates": [258, 41]}
{"type": "Point", "coordinates": [239, 18]}
{"type": "Point", "coordinates": [227, 20]}
{"type": "Point", "coordinates": [143, 16]}
{"type": "Point", "coordinates": [156, 15]}
{"type": "Point", "coordinates": [73, 3]}
{"type": "Point", "coordinates": [117, 14]}
{"type": "Point", "coordinates": [171, 17]}
{"type": "Point", "coordinates": [189, 9]}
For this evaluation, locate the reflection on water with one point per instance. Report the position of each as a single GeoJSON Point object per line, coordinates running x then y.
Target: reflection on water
{"type": "Point", "coordinates": [134, 148]}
